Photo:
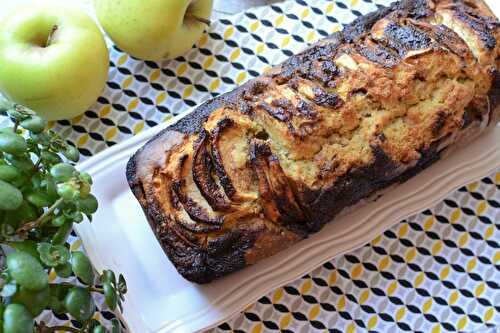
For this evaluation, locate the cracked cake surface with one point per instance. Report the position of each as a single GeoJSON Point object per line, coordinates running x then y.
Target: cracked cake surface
{"type": "Point", "coordinates": [257, 169]}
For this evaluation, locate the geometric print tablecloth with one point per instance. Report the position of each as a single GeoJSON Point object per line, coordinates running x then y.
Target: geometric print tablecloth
{"type": "Point", "coordinates": [438, 271]}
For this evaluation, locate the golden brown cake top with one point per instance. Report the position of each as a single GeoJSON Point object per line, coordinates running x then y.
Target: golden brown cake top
{"type": "Point", "coordinates": [391, 88]}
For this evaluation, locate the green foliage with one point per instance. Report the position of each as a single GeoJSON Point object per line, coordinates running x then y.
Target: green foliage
{"type": "Point", "coordinates": [42, 195]}
{"type": "Point", "coordinates": [82, 267]}
{"type": "Point", "coordinates": [34, 301]}
{"type": "Point", "coordinates": [17, 319]}
{"type": "Point", "coordinates": [10, 197]}
{"type": "Point", "coordinates": [79, 303]}
{"type": "Point", "coordinates": [23, 268]}
{"type": "Point", "coordinates": [53, 255]}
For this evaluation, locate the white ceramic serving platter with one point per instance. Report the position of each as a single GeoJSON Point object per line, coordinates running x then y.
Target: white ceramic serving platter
{"type": "Point", "coordinates": [160, 300]}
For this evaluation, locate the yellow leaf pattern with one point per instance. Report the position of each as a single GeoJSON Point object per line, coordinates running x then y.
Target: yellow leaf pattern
{"type": "Point", "coordinates": [277, 295]}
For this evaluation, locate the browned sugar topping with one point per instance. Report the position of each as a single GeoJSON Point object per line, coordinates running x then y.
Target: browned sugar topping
{"type": "Point", "coordinates": [375, 96]}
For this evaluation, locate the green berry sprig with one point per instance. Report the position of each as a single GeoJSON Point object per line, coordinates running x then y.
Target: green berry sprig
{"type": "Point", "coordinates": [42, 195]}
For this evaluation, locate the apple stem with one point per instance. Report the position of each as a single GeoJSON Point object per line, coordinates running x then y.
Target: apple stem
{"type": "Point", "coordinates": [199, 19]}
{"type": "Point", "coordinates": [51, 35]}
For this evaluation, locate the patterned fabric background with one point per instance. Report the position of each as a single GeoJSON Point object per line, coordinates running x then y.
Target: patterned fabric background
{"type": "Point", "coordinates": [438, 271]}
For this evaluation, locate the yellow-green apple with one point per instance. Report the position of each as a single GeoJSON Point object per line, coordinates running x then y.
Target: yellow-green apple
{"type": "Point", "coordinates": [53, 59]}
{"type": "Point", "coordinates": [154, 29]}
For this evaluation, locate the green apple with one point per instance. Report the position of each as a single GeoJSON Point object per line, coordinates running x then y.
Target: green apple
{"type": "Point", "coordinates": [154, 29]}
{"type": "Point", "coordinates": [53, 59]}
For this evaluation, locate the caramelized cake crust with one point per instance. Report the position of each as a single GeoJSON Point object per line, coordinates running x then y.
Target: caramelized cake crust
{"type": "Point", "coordinates": [259, 168]}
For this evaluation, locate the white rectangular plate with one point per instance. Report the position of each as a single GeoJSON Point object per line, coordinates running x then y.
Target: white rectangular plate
{"type": "Point", "coordinates": [160, 300]}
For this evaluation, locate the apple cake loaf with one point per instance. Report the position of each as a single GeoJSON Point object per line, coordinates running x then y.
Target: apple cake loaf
{"type": "Point", "coordinates": [255, 170]}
